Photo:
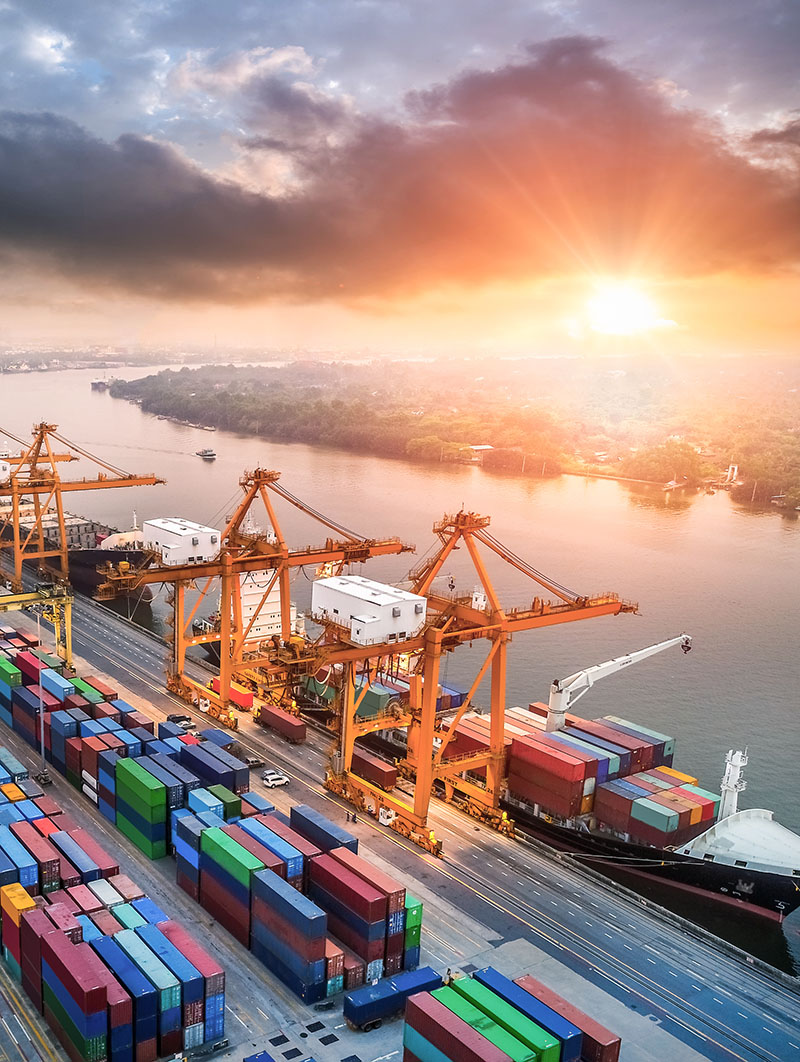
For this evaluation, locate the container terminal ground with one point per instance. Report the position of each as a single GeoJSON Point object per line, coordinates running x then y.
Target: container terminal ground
{"type": "Point", "coordinates": [491, 901]}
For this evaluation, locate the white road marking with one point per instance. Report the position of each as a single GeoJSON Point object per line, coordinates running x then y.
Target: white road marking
{"type": "Point", "coordinates": [13, 1037]}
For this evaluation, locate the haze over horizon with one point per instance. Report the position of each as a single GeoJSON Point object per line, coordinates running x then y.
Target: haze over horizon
{"type": "Point", "coordinates": [550, 177]}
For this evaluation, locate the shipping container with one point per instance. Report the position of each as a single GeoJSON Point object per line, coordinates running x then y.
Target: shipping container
{"type": "Point", "coordinates": [568, 1034]}
{"type": "Point", "coordinates": [369, 1005]}
{"type": "Point", "coordinates": [598, 1045]}
{"type": "Point", "coordinates": [446, 1032]}
{"type": "Point", "coordinates": [320, 830]}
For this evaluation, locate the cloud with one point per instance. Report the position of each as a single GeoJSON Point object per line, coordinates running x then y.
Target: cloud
{"type": "Point", "coordinates": [556, 164]}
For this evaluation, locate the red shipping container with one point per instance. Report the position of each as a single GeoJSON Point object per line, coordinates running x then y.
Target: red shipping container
{"type": "Point", "coordinates": [599, 1045]}
{"type": "Point", "coordinates": [111, 741]}
{"type": "Point", "coordinates": [189, 739]}
{"type": "Point", "coordinates": [363, 899]}
{"type": "Point", "coordinates": [105, 711]}
{"type": "Point", "coordinates": [231, 914]}
{"type": "Point", "coordinates": [65, 921]}
{"type": "Point", "coordinates": [91, 747]}
{"type": "Point", "coordinates": [134, 719]}
{"type": "Point", "coordinates": [374, 768]}
{"type": "Point", "coordinates": [394, 892]}
{"type": "Point", "coordinates": [310, 948]}
{"type": "Point", "coordinates": [75, 701]}
{"type": "Point", "coordinates": [85, 899]}
{"type": "Point", "coordinates": [73, 967]}
{"type": "Point", "coordinates": [560, 787]}
{"type": "Point", "coordinates": [49, 702]}
{"type": "Point", "coordinates": [392, 964]}
{"type": "Point", "coordinates": [450, 1034]}
{"type": "Point", "coordinates": [118, 1003]}
{"type": "Point", "coordinates": [127, 889]}
{"type": "Point", "coordinates": [574, 753]}
{"type": "Point", "coordinates": [108, 866]}
{"type": "Point", "coordinates": [102, 688]}
{"type": "Point", "coordinates": [190, 887]}
{"type": "Point", "coordinates": [304, 847]}
{"type": "Point", "coordinates": [564, 807]}
{"type": "Point", "coordinates": [707, 805]}
{"type": "Point", "coordinates": [334, 960]}
{"type": "Point", "coordinates": [369, 950]}
{"type": "Point", "coordinates": [30, 666]}
{"type": "Point", "coordinates": [62, 896]}
{"type": "Point", "coordinates": [45, 854]}
{"type": "Point", "coordinates": [146, 1050]}
{"type": "Point", "coordinates": [545, 758]}
{"type": "Point", "coordinates": [47, 805]}
{"type": "Point", "coordinates": [106, 922]}
{"type": "Point", "coordinates": [284, 723]}
{"type": "Point", "coordinates": [199, 958]}
{"type": "Point", "coordinates": [269, 859]}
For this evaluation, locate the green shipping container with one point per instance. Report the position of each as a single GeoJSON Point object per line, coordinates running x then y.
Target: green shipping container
{"type": "Point", "coordinates": [128, 917]}
{"type": "Point", "coordinates": [321, 690]}
{"type": "Point", "coordinates": [231, 803]}
{"type": "Point", "coordinates": [413, 911]}
{"type": "Point", "coordinates": [136, 780]}
{"type": "Point", "coordinates": [546, 1046]}
{"type": "Point", "coordinates": [230, 855]}
{"type": "Point", "coordinates": [494, 1033]}
{"type": "Point", "coordinates": [11, 675]}
{"type": "Point", "coordinates": [412, 938]}
{"type": "Point", "coordinates": [152, 849]}
{"type": "Point", "coordinates": [655, 815]}
{"type": "Point", "coordinates": [55, 663]}
{"type": "Point", "coordinates": [87, 691]}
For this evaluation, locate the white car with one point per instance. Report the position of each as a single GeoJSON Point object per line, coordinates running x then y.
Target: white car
{"type": "Point", "coordinates": [271, 778]}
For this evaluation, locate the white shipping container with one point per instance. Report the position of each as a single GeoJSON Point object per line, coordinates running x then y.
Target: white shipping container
{"type": "Point", "coordinates": [180, 541]}
{"type": "Point", "coordinates": [372, 612]}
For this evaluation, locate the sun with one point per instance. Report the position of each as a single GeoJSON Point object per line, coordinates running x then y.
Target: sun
{"type": "Point", "coordinates": [619, 309]}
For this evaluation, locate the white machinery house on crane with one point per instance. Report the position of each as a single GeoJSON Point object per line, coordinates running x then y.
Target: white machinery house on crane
{"type": "Point", "coordinates": [373, 612]}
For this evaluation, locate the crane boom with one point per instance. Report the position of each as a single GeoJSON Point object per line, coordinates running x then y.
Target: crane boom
{"type": "Point", "coordinates": [564, 692]}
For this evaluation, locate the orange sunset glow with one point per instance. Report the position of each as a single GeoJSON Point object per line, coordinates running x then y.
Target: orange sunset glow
{"type": "Point", "coordinates": [262, 189]}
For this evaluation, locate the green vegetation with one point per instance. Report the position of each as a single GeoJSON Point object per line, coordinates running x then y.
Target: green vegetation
{"type": "Point", "coordinates": [685, 420]}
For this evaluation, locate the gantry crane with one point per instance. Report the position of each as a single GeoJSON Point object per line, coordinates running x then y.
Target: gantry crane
{"type": "Point", "coordinates": [453, 621]}
{"type": "Point", "coordinates": [242, 551]}
{"type": "Point", "coordinates": [34, 471]}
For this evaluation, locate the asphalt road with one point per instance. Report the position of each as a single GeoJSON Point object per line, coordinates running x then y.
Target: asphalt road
{"type": "Point", "coordinates": [715, 1002]}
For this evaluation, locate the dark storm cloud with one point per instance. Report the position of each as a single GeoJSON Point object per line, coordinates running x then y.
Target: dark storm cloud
{"type": "Point", "coordinates": [559, 163]}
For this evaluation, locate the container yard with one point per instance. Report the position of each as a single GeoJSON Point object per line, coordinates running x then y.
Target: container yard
{"type": "Point", "coordinates": [320, 910]}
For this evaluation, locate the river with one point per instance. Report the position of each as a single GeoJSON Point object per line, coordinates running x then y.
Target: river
{"type": "Point", "coordinates": [726, 574]}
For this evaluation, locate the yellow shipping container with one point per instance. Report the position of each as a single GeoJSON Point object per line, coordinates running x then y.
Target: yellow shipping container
{"type": "Point", "coordinates": [14, 899]}
{"type": "Point", "coordinates": [685, 779]}
{"type": "Point", "coordinates": [587, 803]}
{"type": "Point", "coordinates": [12, 791]}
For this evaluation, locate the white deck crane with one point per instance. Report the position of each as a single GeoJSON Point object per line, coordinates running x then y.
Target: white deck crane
{"type": "Point", "coordinates": [564, 692]}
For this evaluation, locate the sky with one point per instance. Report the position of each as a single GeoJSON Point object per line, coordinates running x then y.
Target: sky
{"type": "Point", "coordinates": [523, 176]}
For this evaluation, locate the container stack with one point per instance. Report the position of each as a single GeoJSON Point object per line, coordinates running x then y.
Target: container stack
{"type": "Point", "coordinates": [489, 1018]}
{"type": "Point", "coordinates": [357, 911]}
{"type": "Point", "coordinates": [15, 900]}
{"type": "Point", "coordinates": [188, 831]}
{"type": "Point", "coordinates": [542, 774]}
{"type": "Point", "coordinates": [289, 936]}
{"type": "Point", "coordinates": [413, 932]}
{"type": "Point", "coordinates": [141, 805]}
{"type": "Point", "coordinates": [395, 893]}
{"type": "Point", "coordinates": [226, 870]}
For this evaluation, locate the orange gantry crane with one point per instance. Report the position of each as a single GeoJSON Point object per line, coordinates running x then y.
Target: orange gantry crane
{"type": "Point", "coordinates": [452, 621]}
{"type": "Point", "coordinates": [245, 550]}
{"type": "Point", "coordinates": [34, 472]}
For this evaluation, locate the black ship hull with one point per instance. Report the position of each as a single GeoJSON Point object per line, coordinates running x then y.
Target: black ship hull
{"type": "Point", "coordinates": [84, 576]}
{"type": "Point", "coordinates": [775, 895]}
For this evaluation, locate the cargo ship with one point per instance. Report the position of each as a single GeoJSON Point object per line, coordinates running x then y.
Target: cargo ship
{"type": "Point", "coordinates": [90, 543]}
{"type": "Point", "coordinates": [605, 790]}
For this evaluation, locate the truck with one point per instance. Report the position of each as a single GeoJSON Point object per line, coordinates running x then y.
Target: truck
{"type": "Point", "coordinates": [368, 1007]}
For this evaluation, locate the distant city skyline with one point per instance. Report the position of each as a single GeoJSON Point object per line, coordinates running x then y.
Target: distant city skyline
{"type": "Point", "coordinates": [530, 176]}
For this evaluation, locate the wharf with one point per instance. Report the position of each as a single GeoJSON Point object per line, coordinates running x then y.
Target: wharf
{"type": "Point", "coordinates": [670, 995]}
